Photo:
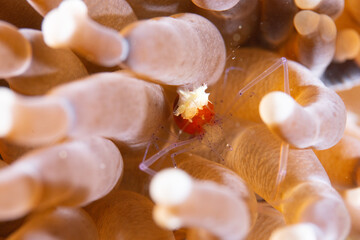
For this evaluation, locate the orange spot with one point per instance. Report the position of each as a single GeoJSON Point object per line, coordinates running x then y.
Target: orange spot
{"type": "Point", "coordinates": [195, 126]}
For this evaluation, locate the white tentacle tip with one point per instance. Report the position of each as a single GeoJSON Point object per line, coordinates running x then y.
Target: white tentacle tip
{"type": "Point", "coordinates": [60, 24]}
{"type": "Point", "coordinates": [307, 4]}
{"type": "Point", "coordinates": [352, 197]}
{"type": "Point", "coordinates": [73, 6]}
{"type": "Point", "coordinates": [276, 107]}
{"type": "Point", "coordinates": [165, 219]}
{"type": "Point", "coordinates": [170, 187]}
{"type": "Point", "coordinates": [300, 231]}
{"type": "Point", "coordinates": [7, 102]}
{"type": "Point", "coordinates": [125, 49]}
{"type": "Point", "coordinates": [306, 22]}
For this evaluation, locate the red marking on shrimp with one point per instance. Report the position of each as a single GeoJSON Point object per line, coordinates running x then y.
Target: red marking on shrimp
{"type": "Point", "coordinates": [194, 126]}
{"type": "Point", "coordinates": [194, 114]}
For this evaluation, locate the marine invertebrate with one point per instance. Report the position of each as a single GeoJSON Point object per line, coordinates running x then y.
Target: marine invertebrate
{"type": "Point", "coordinates": [114, 14]}
{"type": "Point", "coordinates": [75, 15]}
{"type": "Point", "coordinates": [311, 183]}
{"type": "Point", "coordinates": [280, 122]}
{"type": "Point", "coordinates": [303, 88]}
{"type": "Point", "coordinates": [68, 223]}
{"type": "Point", "coordinates": [216, 5]}
{"type": "Point", "coordinates": [315, 40]}
{"type": "Point", "coordinates": [46, 68]}
{"type": "Point", "coordinates": [61, 113]}
{"type": "Point", "coordinates": [267, 221]}
{"type": "Point", "coordinates": [182, 201]}
{"type": "Point", "coordinates": [347, 45]}
{"type": "Point", "coordinates": [125, 215]}
{"type": "Point", "coordinates": [49, 177]}
{"type": "Point", "coordinates": [184, 51]}
{"type": "Point", "coordinates": [145, 9]}
{"type": "Point", "coordinates": [273, 12]}
{"type": "Point", "coordinates": [193, 110]}
{"type": "Point", "coordinates": [15, 48]}
{"type": "Point", "coordinates": [237, 24]}
{"type": "Point", "coordinates": [332, 8]}
{"type": "Point", "coordinates": [134, 47]}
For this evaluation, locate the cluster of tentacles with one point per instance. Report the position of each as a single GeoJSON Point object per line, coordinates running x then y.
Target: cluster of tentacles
{"type": "Point", "coordinates": [88, 142]}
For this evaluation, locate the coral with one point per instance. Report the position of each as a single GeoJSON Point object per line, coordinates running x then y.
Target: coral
{"type": "Point", "coordinates": [89, 91]}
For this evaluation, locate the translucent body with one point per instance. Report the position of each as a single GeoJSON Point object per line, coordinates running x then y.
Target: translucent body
{"type": "Point", "coordinates": [333, 8]}
{"type": "Point", "coordinates": [126, 215]}
{"type": "Point", "coordinates": [341, 162]}
{"type": "Point", "coordinates": [267, 221]}
{"type": "Point", "coordinates": [69, 110]}
{"type": "Point", "coordinates": [76, 30]}
{"type": "Point", "coordinates": [145, 9]}
{"type": "Point", "coordinates": [59, 223]}
{"type": "Point", "coordinates": [180, 36]}
{"type": "Point", "coordinates": [305, 196]}
{"type": "Point", "coordinates": [208, 132]}
{"type": "Point", "coordinates": [46, 69]}
{"type": "Point", "coordinates": [20, 14]}
{"type": "Point", "coordinates": [15, 48]}
{"type": "Point", "coordinates": [237, 24]}
{"type": "Point", "coordinates": [184, 202]}
{"type": "Point", "coordinates": [303, 126]}
{"type": "Point", "coordinates": [215, 5]}
{"type": "Point", "coordinates": [115, 14]}
{"type": "Point", "coordinates": [205, 170]}
{"type": "Point", "coordinates": [347, 21]}
{"type": "Point", "coordinates": [273, 12]}
{"type": "Point", "coordinates": [315, 41]}
{"type": "Point", "coordinates": [72, 174]}
{"type": "Point", "coordinates": [2, 164]}
{"type": "Point", "coordinates": [353, 7]}
{"type": "Point", "coordinates": [163, 45]}
{"type": "Point", "coordinates": [321, 109]}
{"type": "Point", "coordinates": [347, 45]}
{"type": "Point", "coordinates": [10, 151]}
{"type": "Point", "coordinates": [217, 136]}
{"type": "Point", "coordinates": [237, 106]}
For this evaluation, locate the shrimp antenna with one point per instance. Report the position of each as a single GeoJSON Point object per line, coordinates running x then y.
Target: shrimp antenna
{"type": "Point", "coordinates": [146, 163]}
{"type": "Point", "coordinates": [284, 149]}
{"type": "Point", "coordinates": [282, 62]}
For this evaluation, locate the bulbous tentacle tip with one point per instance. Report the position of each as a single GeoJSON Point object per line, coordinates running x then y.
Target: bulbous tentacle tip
{"type": "Point", "coordinates": [307, 4]}
{"type": "Point", "coordinates": [165, 219]}
{"type": "Point", "coordinates": [216, 5]}
{"type": "Point", "coordinates": [7, 101]}
{"type": "Point", "coordinates": [296, 232]}
{"type": "Point", "coordinates": [22, 188]}
{"type": "Point", "coordinates": [170, 187]}
{"type": "Point", "coordinates": [60, 24]}
{"type": "Point", "coordinates": [276, 107]}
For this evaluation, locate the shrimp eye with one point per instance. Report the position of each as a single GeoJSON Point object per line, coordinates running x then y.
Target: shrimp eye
{"type": "Point", "coordinates": [192, 110]}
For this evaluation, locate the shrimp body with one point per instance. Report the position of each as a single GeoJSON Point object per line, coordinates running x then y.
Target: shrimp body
{"type": "Point", "coordinates": [192, 110]}
{"type": "Point", "coordinates": [209, 132]}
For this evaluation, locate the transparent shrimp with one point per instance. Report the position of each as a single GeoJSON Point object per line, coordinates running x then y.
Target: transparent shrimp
{"type": "Point", "coordinates": [211, 136]}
